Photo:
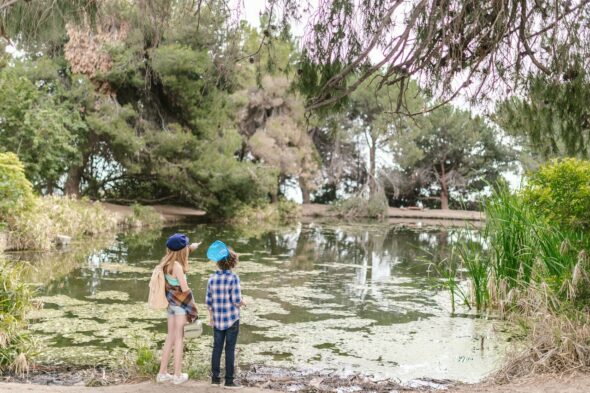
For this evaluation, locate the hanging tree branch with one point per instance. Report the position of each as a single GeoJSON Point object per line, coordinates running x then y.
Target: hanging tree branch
{"type": "Point", "coordinates": [441, 43]}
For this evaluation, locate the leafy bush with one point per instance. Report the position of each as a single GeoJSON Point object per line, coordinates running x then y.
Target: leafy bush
{"type": "Point", "coordinates": [245, 215]}
{"type": "Point", "coordinates": [146, 360]}
{"type": "Point", "coordinates": [16, 192]}
{"type": "Point", "coordinates": [374, 207]}
{"type": "Point", "coordinates": [16, 295]}
{"type": "Point", "coordinates": [560, 191]}
{"type": "Point", "coordinates": [143, 217]}
{"type": "Point", "coordinates": [288, 210]}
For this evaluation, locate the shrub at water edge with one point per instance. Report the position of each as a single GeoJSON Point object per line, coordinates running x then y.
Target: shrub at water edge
{"type": "Point", "coordinates": [535, 272]}
{"type": "Point", "coordinates": [560, 191]}
{"type": "Point", "coordinates": [143, 217]}
{"type": "Point", "coordinates": [16, 349]}
{"type": "Point", "coordinates": [357, 206]}
{"type": "Point", "coordinates": [16, 192]}
{"type": "Point", "coordinates": [51, 216]}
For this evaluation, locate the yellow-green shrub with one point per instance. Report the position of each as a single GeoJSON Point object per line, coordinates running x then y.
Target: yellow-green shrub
{"type": "Point", "coordinates": [16, 298]}
{"type": "Point", "coordinates": [560, 191]}
{"type": "Point", "coordinates": [143, 217]}
{"type": "Point", "coordinates": [16, 192]}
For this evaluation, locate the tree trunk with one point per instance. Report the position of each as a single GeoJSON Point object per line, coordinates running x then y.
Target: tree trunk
{"type": "Point", "coordinates": [72, 186]}
{"type": "Point", "coordinates": [444, 190]}
{"type": "Point", "coordinates": [444, 199]}
{"type": "Point", "coordinates": [372, 181]}
{"type": "Point", "coordinates": [305, 193]}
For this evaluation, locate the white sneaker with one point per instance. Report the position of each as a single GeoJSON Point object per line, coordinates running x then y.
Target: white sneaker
{"type": "Point", "coordinates": [163, 378]}
{"type": "Point", "coordinates": [178, 379]}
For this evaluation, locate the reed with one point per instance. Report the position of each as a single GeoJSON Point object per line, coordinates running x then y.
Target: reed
{"type": "Point", "coordinates": [536, 274]}
{"type": "Point", "coordinates": [16, 299]}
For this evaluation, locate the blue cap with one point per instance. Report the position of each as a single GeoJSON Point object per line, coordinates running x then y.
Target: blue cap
{"type": "Point", "coordinates": [217, 251]}
{"type": "Point", "coordinates": [177, 242]}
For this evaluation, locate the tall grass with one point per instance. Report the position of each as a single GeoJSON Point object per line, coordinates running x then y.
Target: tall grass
{"type": "Point", "coordinates": [535, 273]}
{"type": "Point", "coordinates": [51, 216]}
{"type": "Point", "coordinates": [16, 298]}
{"type": "Point", "coordinates": [524, 250]}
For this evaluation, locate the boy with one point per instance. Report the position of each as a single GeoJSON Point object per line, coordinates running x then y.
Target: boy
{"type": "Point", "coordinates": [224, 299]}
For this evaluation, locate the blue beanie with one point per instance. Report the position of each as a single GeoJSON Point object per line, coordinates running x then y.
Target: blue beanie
{"type": "Point", "coordinates": [177, 242]}
{"type": "Point", "coordinates": [217, 251]}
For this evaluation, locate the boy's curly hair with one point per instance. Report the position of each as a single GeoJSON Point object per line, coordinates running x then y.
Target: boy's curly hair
{"type": "Point", "coordinates": [230, 262]}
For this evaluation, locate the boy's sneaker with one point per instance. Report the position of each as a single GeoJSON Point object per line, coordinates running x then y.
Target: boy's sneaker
{"type": "Point", "coordinates": [178, 379]}
{"type": "Point", "coordinates": [232, 385]}
{"type": "Point", "coordinates": [215, 381]}
{"type": "Point", "coordinates": [163, 378]}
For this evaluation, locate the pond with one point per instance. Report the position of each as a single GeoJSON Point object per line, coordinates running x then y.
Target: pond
{"type": "Point", "coordinates": [351, 298]}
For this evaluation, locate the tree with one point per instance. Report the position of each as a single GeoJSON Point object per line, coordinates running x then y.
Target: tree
{"type": "Point", "coordinates": [450, 45]}
{"type": "Point", "coordinates": [343, 165]}
{"type": "Point", "coordinates": [151, 101]}
{"type": "Point", "coordinates": [372, 110]}
{"type": "Point", "coordinates": [273, 122]}
{"type": "Point", "coordinates": [553, 117]}
{"type": "Point", "coordinates": [34, 124]}
{"type": "Point", "coordinates": [447, 151]}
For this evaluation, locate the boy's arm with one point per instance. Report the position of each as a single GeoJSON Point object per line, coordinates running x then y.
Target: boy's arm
{"type": "Point", "coordinates": [237, 293]}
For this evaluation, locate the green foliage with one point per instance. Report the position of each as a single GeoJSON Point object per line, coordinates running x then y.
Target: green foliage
{"type": "Point", "coordinates": [553, 116]}
{"type": "Point", "coordinates": [375, 206]}
{"type": "Point", "coordinates": [16, 296]}
{"type": "Point", "coordinates": [16, 195]}
{"type": "Point", "coordinates": [272, 120]}
{"type": "Point", "coordinates": [527, 253]}
{"type": "Point", "coordinates": [560, 191]}
{"type": "Point", "coordinates": [143, 217]}
{"type": "Point", "coordinates": [444, 152]}
{"type": "Point", "coordinates": [288, 210]}
{"type": "Point", "coordinates": [247, 215]}
{"type": "Point", "coordinates": [36, 125]}
{"type": "Point", "coordinates": [146, 361]}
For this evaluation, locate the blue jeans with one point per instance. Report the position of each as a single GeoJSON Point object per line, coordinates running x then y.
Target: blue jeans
{"type": "Point", "coordinates": [230, 337]}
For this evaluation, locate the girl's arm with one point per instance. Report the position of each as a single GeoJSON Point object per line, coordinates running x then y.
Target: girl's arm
{"type": "Point", "coordinates": [179, 275]}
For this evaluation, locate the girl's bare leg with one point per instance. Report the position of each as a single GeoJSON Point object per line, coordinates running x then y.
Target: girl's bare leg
{"type": "Point", "coordinates": [179, 322]}
{"type": "Point", "coordinates": [170, 338]}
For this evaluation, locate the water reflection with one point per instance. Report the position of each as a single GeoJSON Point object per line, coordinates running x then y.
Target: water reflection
{"type": "Point", "coordinates": [358, 297]}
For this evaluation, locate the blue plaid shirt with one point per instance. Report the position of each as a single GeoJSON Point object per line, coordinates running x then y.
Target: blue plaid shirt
{"type": "Point", "coordinates": [223, 298]}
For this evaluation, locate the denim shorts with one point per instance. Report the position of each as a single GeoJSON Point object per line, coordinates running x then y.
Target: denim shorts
{"type": "Point", "coordinates": [176, 310]}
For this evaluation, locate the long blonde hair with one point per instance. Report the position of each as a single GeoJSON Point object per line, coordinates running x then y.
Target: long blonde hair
{"type": "Point", "coordinates": [180, 256]}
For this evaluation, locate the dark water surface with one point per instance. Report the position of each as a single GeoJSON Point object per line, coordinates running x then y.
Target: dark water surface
{"type": "Point", "coordinates": [358, 297]}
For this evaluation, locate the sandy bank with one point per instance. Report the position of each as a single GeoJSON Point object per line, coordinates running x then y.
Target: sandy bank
{"type": "Point", "coordinates": [169, 213]}
{"type": "Point", "coordinates": [578, 383]}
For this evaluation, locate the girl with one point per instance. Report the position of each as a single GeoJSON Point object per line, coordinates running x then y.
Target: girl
{"type": "Point", "coordinates": [181, 305]}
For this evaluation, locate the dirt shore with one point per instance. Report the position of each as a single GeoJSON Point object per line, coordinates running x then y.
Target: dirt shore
{"type": "Point", "coordinates": [579, 383]}
{"type": "Point", "coordinates": [169, 213]}
{"type": "Point", "coordinates": [411, 217]}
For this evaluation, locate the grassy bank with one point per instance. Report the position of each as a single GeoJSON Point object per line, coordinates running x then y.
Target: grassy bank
{"type": "Point", "coordinates": [16, 299]}
{"type": "Point", "coordinates": [535, 270]}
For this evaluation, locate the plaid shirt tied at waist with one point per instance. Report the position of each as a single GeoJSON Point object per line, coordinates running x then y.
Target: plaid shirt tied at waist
{"type": "Point", "coordinates": [185, 300]}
